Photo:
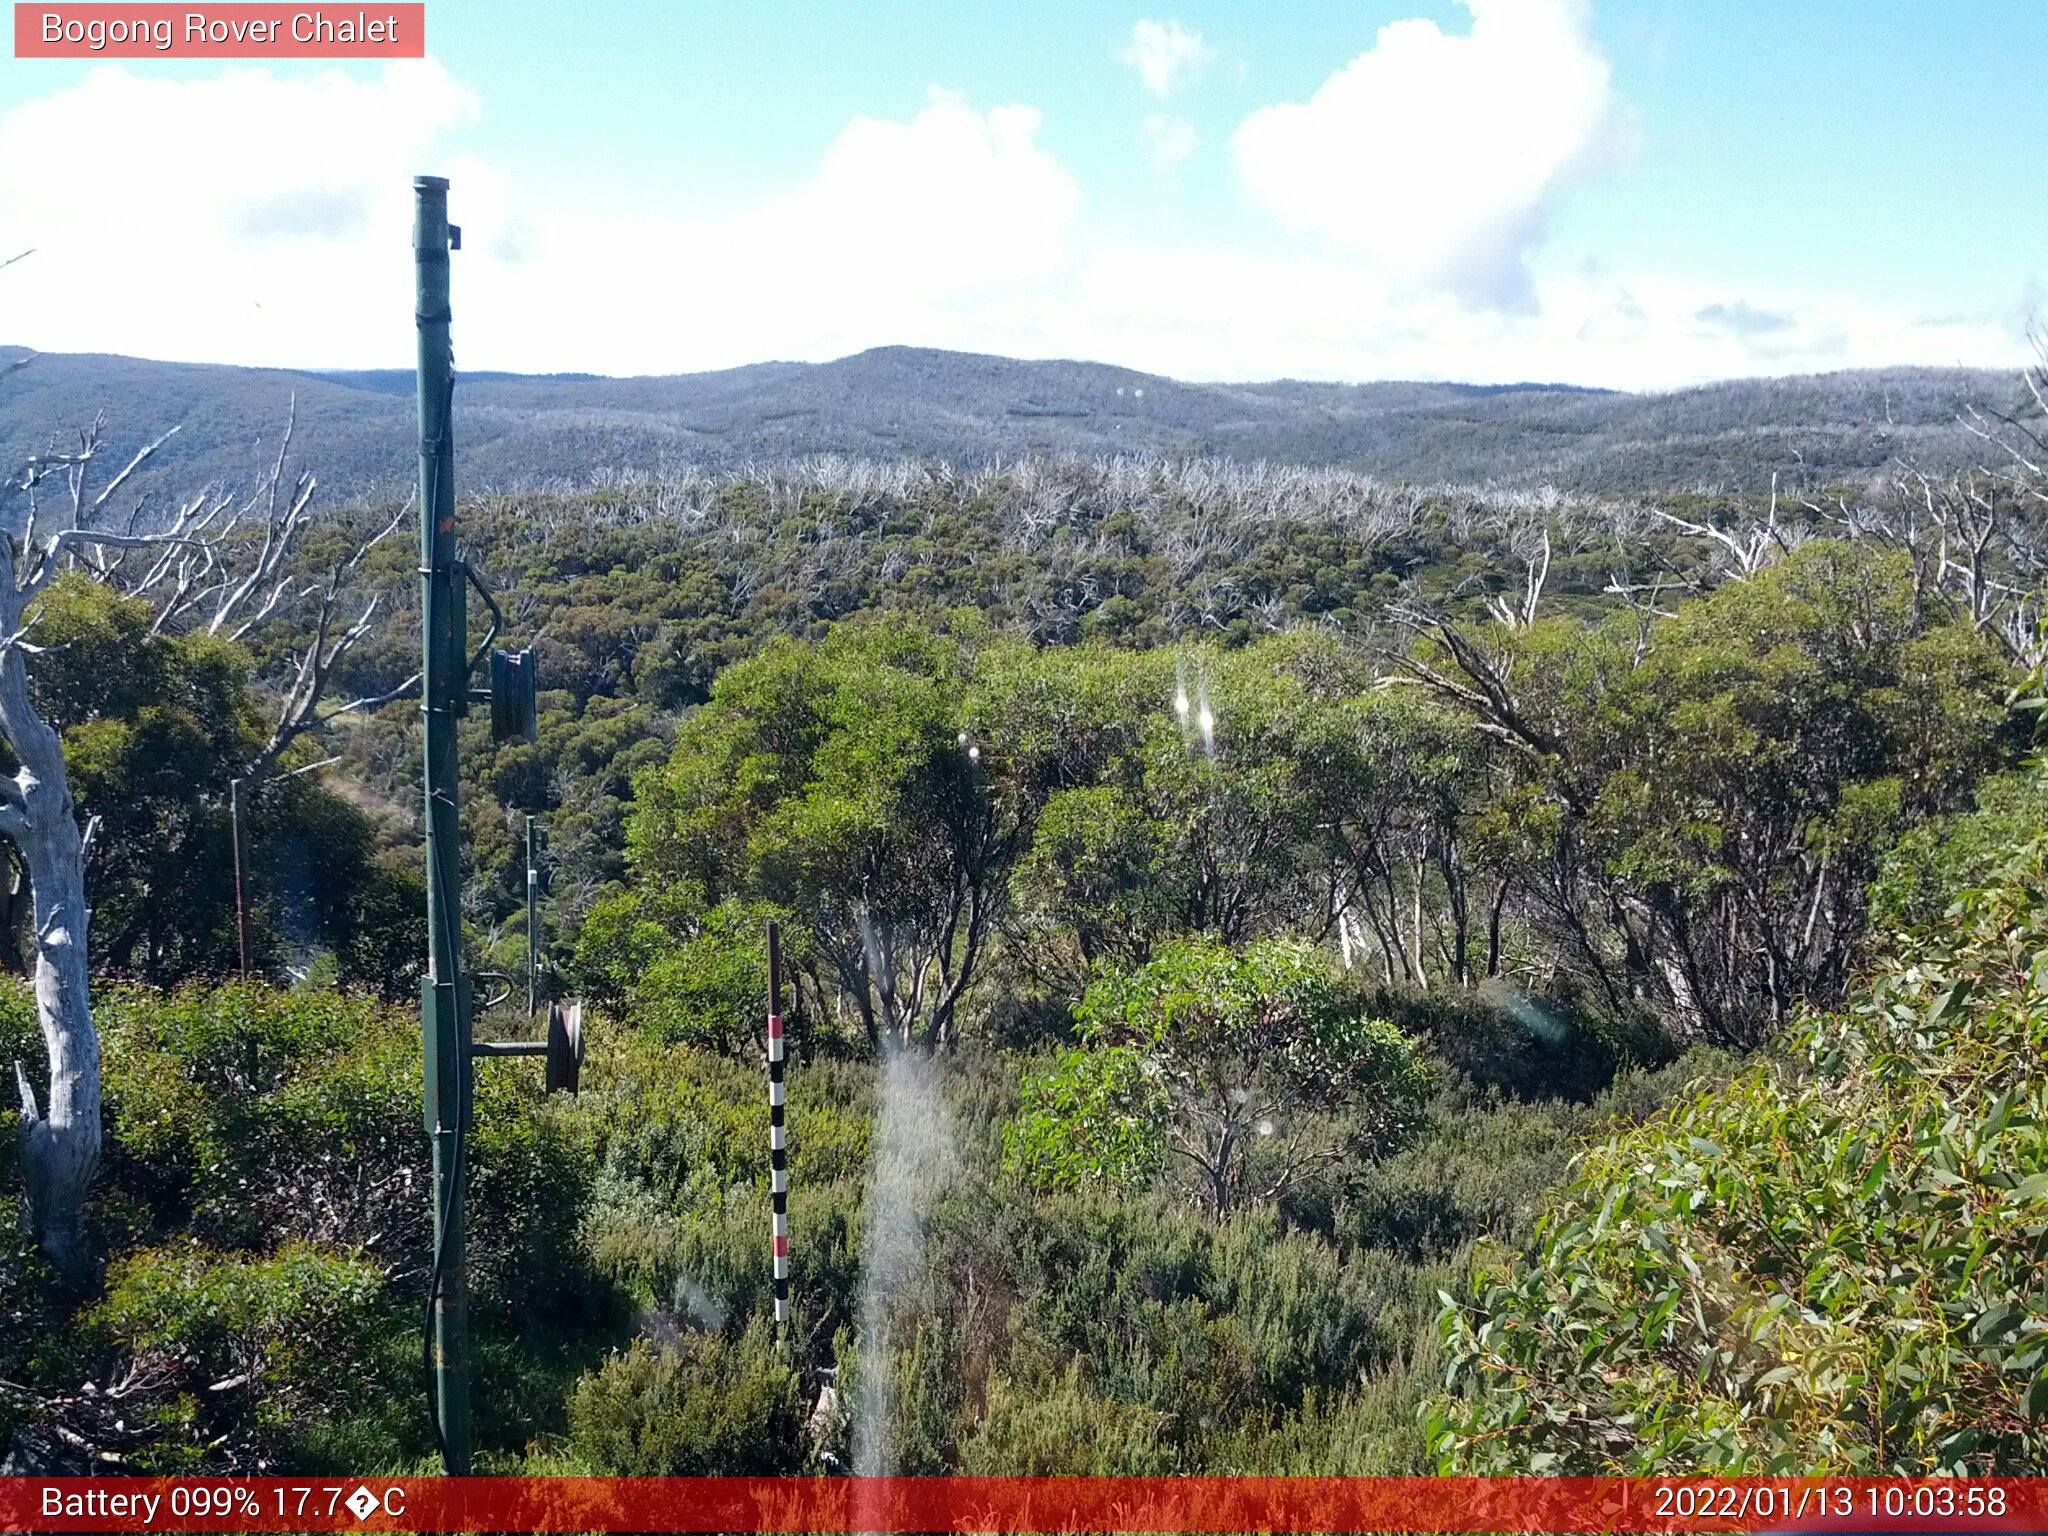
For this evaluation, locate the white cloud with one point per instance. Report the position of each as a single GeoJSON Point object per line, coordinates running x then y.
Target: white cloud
{"type": "Point", "coordinates": [905, 233]}
{"type": "Point", "coordinates": [953, 227]}
{"type": "Point", "coordinates": [1170, 138]}
{"type": "Point", "coordinates": [1207, 314]}
{"type": "Point", "coordinates": [299, 257]}
{"type": "Point", "coordinates": [230, 217]}
{"type": "Point", "coordinates": [1436, 155]}
{"type": "Point", "coordinates": [1167, 55]}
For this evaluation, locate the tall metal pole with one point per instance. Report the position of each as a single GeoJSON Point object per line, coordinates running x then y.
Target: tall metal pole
{"type": "Point", "coordinates": [241, 891]}
{"type": "Point", "coordinates": [444, 1010]}
{"type": "Point", "coordinates": [532, 921]}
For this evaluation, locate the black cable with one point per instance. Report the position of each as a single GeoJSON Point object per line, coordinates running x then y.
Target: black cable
{"type": "Point", "coordinates": [450, 1190]}
{"type": "Point", "coordinates": [435, 1275]}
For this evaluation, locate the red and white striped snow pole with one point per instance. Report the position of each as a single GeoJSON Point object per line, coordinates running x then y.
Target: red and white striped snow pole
{"type": "Point", "coordinates": [778, 1135]}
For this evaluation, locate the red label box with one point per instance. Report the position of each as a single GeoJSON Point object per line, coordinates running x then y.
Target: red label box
{"type": "Point", "coordinates": [263, 31]}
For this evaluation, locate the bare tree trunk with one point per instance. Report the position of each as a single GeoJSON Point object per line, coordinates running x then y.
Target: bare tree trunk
{"type": "Point", "coordinates": [61, 1146]}
{"type": "Point", "coordinates": [1493, 917]}
{"type": "Point", "coordinates": [1421, 971]}
{"type": "Point", "coordinates": [60, 1142]}
{"type": "Point", "coordinates": [1454, 887]}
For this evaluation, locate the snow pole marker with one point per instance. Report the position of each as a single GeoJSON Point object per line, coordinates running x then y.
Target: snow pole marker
{"type": "Point", "coordinates": [778, 1136]}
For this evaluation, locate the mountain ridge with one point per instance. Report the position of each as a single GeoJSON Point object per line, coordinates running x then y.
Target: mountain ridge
{"type": "Point", "coordinates": [515, 431]}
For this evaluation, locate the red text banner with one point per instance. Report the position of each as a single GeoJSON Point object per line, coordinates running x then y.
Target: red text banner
{"type": "Point", "coordinates": [945, 1504]}
{"type": "Point", "coordinates": [260, 31]}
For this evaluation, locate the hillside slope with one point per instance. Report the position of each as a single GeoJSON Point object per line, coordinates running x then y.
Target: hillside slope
{"type": "Point", "coordinates": [520, 431]}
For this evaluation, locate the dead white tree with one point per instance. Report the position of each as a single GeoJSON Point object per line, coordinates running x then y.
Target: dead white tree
{"type": "Point", "coordinates": [60, 1138]}
{"type": "Point", "coordinates": [227, 565]}
{"type": "Point", "coordinates": [1531, 545]}
{"type": "Point", "coordinates": [206, 561]}
{"type": "Point", "coordinates": [1748, 547]}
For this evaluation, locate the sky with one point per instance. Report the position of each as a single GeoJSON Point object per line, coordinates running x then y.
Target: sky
{"type": "Point", "coordinates": [1637, 194]}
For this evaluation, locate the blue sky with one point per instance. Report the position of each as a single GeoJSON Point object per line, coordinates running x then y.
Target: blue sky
{"type": "Point", "coordinates": [1640, 193]}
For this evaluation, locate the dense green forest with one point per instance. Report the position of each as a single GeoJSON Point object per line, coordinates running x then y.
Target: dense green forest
{"type": "Point", "coordinates": [1290, 974]}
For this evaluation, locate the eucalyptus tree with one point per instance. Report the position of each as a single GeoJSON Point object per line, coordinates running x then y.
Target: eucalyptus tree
{"type": "Point", "coordinates": [1693, 809]}
{"type": "Point", "coordinates": [1189, 809]}
{"type": "Point", "coordinates": [838, 782]}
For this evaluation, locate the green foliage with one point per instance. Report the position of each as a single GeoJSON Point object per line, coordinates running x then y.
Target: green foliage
{"type": "Point", "coordinates": [1921, 875]}
{"type": "Point", "coordinates": [1093, 870]}
{"type": "Point", "coordinates": [20, 1042]}
{"type": "Point", "coordinates": [228, 1337]}
{"type": "Point", "coordinates": [261, 1114]}
{"type": "Point", "coordinates": [711, 989]}
{"type": "Point", "coordinates": [153, 729]}
{"type": "Point", "coordinates": [1484, 1166]}
{"type": "Point", "coordinates": [777, 721]}
{"type": "Point", "coordinates": [707, 1406]}
{"type": "Point", "coordinates": [1705, 802]}
{"type": "Point", "coordinates": [831, 782]}
{"type": "Point", "coordinates": [1137, 1317]}
{"type": "Point", "coordinates": [264, 1192]}
{"type": "Point", "coordinates": [1233, 1061]}
{"type": "Point", "coordinates": [1062, 1431]}
{"type": "Point", "coordinates": [155, 726]}
{"type": "Point", "coordinates": [677, 1217]}
{"type": "Point", "coordinates": [1502, 1037]}
{"type": "Point", "coordinates": [694, 1126]}
{"type": "Point", "coordinates": [1092, 1116]}
{"type": "Point", "coordinates": [1835, 1263]}
{"type": "Point", "coordinates": [622, 936]}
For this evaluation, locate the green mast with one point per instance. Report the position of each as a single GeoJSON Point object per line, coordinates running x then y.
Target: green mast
{"type": "Point", "coordinates": [445, 695]}
{"type": "Point", "coordinates": [444, 692]}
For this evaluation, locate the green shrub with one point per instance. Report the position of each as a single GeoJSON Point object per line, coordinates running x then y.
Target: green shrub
{"type": "Point", "coordinates": [248, 1114]}
{"type": "Point", "coordinates": [1485, 1166]}
{"type": "Point", "coordinates": [708, 1406]}
{"type": "Point", "coordinates": [257, 1113]}
{"type": "Point", "coordinates": [1062, 1431]}
{"type": "Point", "coordinates": [235, 1341]}
{"type": "Point", "coordinates": [1838, 1262]}
{"type": "Point", "coordinates": [1499, 1036]}
{"type": "Point", "coordinates": [711, 989]}
{"type": "Point", "coordinates": [20, 1041]}
{"type": "Point", "coordinates": [1091, 1116]}
{"type": "Point", "coordinates": [1248, 1066]}
{"type": "Point", "coordinates": [694, 1125]}
{"type": "Point", "coordinates": [622, 935]}
{"type": "Point", "coordinates": [1935, 860]}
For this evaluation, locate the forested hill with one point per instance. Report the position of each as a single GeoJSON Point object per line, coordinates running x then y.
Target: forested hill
{"type": "Point", "coordinates": [527, 432]}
